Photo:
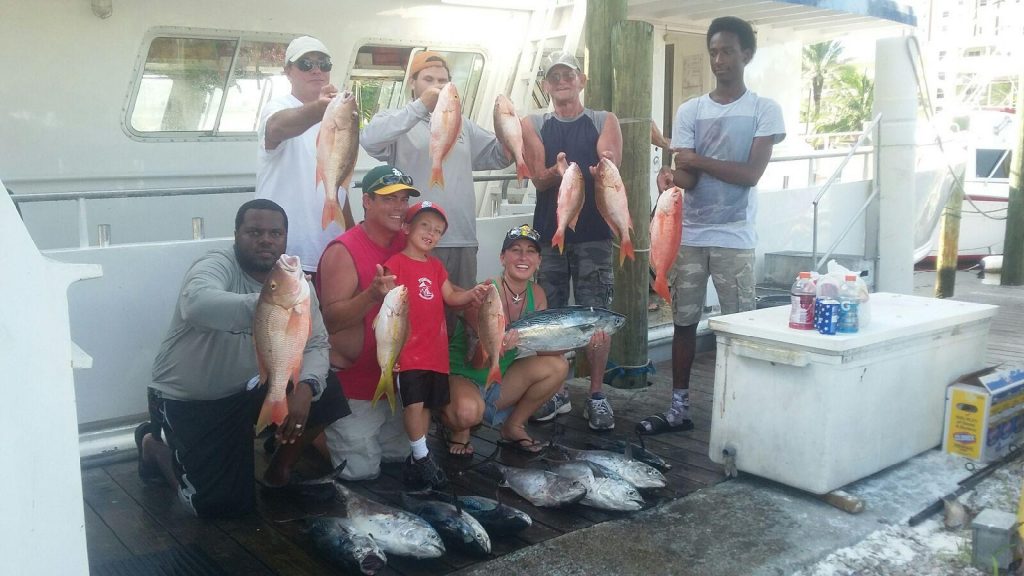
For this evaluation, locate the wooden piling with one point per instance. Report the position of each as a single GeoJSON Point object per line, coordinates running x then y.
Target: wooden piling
{"type": "Point", "coordinates": [601, 17]}
{"type": "Point", "coordinates": [949, 242]}
{"type": "Point", "coordinates": [1013, 240]}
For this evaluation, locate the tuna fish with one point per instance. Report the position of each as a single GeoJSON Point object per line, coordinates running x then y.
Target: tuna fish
{"type": "Point", "coordinates": [605, 490]}
{"type": "Point", "coordinates": [390, 328]}
{"type": "Point", "coordinates": [557, 329]}
{"type": "Point", "coordinates": [540, 487]}
{"type": "Point", "coordinates": [570, 204]}
{"type": "Point", "coordinates": [610, 195]}
{"type": "Point", "coordinates": [280, 330]}
{"type": "Point", "coordinates": [635, 472]}
{"type": "Point", "coordinates": [458, 529]}
{"type": "Point", "coordinates": [509, 131]}
{"type": "Point", "coordinates": [345, 545]}
{"type": "Point", "coordinates": [396, 531]}
{"type": "Point", "coordinates": [634, 451]}
{"type": "Point", "coordinates": [337, 147]}
{"type": "Point", "coordinates": [666, 232]}
{"type": "Point", "coordinates": [445, 126]}
{"type": "Point", "coordinates": [497, 518]}
{"type": "Point", "coordinates": [490, 330]}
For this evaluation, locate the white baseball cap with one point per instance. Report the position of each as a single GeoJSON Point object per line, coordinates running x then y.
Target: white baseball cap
{"type": "Point", "coordinates": [304, 45]}
{"type": "Point", "coordinates": [559, 57]}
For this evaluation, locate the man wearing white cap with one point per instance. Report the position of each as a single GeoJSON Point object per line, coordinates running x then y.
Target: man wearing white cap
{"type": "Point", "coordinates": [573, 133]}
{"type": "Point", "coordinates": [289, 124]}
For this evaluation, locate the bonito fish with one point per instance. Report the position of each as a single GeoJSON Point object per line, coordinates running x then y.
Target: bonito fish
{"type": "Point", "coordinates": [610, 195]}
{"type": "Point", "coordinates": [666, 232]}
{"type": "Point", "coordinates": [345, 545]}
{"type": "Point", "coordinates": [540, 487]}
{"type": "Point", "coordinates": [570, 203]}
{"type": "Point", "coordinates": [390, 328]}
{"type": "Point", "coordinates": [280, 330]}
{"type": "Point", "coordinates": [337, 147]}
{"type": "Point", "coordinates": [497, 518]}
{"type": "Point", "coordinates": [605, 490]}
{"type": "Point", "coordinates": [509, 131]}
{"type": "Point", "coordinates": [557, 329]}
{"type": "Point", "coordinates": [635, 472]}
{"type": "Point", "coordinates": [458, 529]}
{"type": "Point", "coordinates": [445, 127]}
{"type": "Point", "coordinates": [490, 330]}
{"type": "Point", "coordinates": [396, 531]}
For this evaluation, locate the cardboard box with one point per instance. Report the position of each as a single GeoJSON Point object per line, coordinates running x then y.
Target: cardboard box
{"type": "Point", "coordinates": [985, 413]}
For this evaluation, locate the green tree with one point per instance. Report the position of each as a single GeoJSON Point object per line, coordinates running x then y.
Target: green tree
{"type": "Point", "coordinates": [821, 63]}
{"type": "Point", "coordinates": [848, 104]}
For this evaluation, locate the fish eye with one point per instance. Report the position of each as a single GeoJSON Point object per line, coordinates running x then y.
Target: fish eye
{"type": "Point", "coordinates": [273, 285]}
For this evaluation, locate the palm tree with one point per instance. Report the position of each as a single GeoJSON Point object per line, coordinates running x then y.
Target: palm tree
{"type": "Point", "coordinates": [820, 65]}
{"type": "Point", "coordinates": [849, 102]}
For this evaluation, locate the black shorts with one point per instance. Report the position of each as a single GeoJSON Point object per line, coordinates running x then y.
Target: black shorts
{"type": "Point", "coordinates": [426, 386]}
{"type": "Point", "coordinates": [212, 444]}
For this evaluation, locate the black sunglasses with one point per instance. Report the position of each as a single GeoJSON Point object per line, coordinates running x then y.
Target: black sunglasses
{"type": "Point", "coordinates": [305, 64]}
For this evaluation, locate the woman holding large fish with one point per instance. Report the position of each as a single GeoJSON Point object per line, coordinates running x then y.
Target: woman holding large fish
{"type": "Point", "coordinates": [432, 142]}
{"type": "Point", "coordinates": [580, 206]}
{"type": "Point", "coordinates": [523, 384]}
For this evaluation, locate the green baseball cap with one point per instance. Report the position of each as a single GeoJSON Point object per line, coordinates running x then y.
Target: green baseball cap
{"type": "Point", "coordinates": [383, 180]}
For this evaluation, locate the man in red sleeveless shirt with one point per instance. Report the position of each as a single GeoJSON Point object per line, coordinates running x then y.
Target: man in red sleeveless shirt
{"type": "Point", "coordinates": [351, 285]}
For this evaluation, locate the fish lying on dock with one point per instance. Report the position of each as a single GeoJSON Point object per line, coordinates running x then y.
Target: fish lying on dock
{"type": "Point", "coordinates": [340, 541]}
{"type": "Point", "coordinates": [568, 328]}
{"type": "Point", "coordinates": [540, 487]}
{"type": "Point", "coordinates": [396, 531]}
{"type": "Point", "coordinates": [457, 528]}
{"type": "Point", "coordinates": [605, 490]}
{"type": "Point", "coordinates": [497, 518]}
{"type": "Point", "coordinates": [631, 450]}
{"type": "Point", "coordinates": [635, 472]}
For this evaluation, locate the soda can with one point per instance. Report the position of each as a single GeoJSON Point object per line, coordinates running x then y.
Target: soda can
{"type": "Point", "coordinates": [826, 319]}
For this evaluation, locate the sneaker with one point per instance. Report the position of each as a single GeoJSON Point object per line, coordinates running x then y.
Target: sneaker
{"type": "Point", "coordinates": [558, 404]}
{"type": "Point", "coordinates": [422, 474]}
{"type": "Point", "coordinates": [599, 413]}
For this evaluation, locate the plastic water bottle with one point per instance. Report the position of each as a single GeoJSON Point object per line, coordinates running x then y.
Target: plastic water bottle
{"type": "Point", "coordinates": [849, 301]}
{"type": "Point", "coordinates": [801, 298]}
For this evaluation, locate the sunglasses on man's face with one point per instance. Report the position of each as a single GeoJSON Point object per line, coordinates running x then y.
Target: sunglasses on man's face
{"type": "Point", "coordinates": [556, 77]}
{"type": "Point", "coordinates": [305, 64]}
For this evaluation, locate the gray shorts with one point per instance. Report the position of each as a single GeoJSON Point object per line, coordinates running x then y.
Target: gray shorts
{"type": "Point", "coordinates": [731, 270]}
{"type": "Point", "coordinates": [460, 262]}
{"type": "Point", "coordinates": [587, 264]}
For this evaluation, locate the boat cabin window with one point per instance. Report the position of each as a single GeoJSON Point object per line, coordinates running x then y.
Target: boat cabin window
{"type": "Point", "coordinates": [379, 76]}
{"type": "Point", "coordinates": [203, 87]}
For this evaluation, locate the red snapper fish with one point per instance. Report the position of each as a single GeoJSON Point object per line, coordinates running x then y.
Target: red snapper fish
{"type": "Point", "coordinates": [509, 132]}
{"type": "Point", "coordinates": [337, 147]}
{"type": "Point", "coordinates": [445, 127]}
{"type": "Point", "coordinates": [491, 330]}
{"type": "Point", "coordinates": [570, 203]}
{"type": "Point", "coordinates": [390, 328]}
{"type": "Point", "coordinates": [280, 329]}
{"type": "Point", "coordinates": [610, 195]}
{"type": "Point", "coordinates": [666, 232]}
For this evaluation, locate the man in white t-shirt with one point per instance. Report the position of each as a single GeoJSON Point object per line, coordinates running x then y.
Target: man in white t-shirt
{"type": "Point", "coordinates": [722, 143]}
{"type": "Point", "coordinates": [287, 133]}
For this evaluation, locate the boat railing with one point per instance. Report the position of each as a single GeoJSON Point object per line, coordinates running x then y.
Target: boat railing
{"type": "Point", "coordinates": [870, 130]}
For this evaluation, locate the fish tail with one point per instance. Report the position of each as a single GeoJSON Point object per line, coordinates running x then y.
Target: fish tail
{"type": "Point", "coordinates": [271, 412]}
{"type": "Point", "coordinates": [522, 170]}
{"type": "Point", "coordinates": [558, 240]}
{"type": "Point", "coordinates": [661, 288]}
{"type": "Point", "coordinates": [437, 176]}
{"type": "Point", "coordinates": [626, 249]}
{"type": "Point", "coordinates": [494, 376]}
{"type": "Point", "coordinates": [385, 388]}
{"type": "Point", "coordinates": [331, 213]}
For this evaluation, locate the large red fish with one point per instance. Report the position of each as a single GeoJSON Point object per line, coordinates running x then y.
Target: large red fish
{"type": "Point", "coordinates": [666, 232]}
{"type": "Point", "coordinates": [570, 203]}
{"type": "Point", "coordinates": [337, 147]}
{"type": "Point", "coordinates": [445, 126]}
{"type": "Point", "coordinates": [610, 195]}
{"type": "Point", "coordinates": [509, 132]}
{"type": "Point", "coordinates": [491, 330]}
{"type": "Point", "coordinates": [280, 330]}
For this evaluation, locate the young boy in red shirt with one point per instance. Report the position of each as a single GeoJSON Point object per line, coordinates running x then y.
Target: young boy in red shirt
{"type": "Point", "coordinates": [423, 363]}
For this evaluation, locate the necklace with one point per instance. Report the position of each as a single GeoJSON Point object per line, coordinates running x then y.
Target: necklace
{"type": "Point", "coordinates": [515, 297]}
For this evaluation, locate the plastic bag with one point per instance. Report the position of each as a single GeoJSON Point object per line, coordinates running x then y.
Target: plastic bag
{"type": "Point", "coordinates": [836, 276]}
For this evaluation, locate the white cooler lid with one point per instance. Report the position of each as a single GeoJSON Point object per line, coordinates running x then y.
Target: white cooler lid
{"type": "Point", "coordinates": [893, 316]}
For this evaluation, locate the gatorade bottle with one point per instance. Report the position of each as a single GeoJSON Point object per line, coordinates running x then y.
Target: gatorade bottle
{"type": "Point", "coordinates": [849, 300]}
{"type": "Point", "coordinates": [801, 297]}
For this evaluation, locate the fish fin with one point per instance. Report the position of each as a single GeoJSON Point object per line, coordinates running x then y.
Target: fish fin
{"type": "Point", "coordinates": [494, 376]}
{"type": "Point", "coordinates": [661, 288]}
{"type": "Point", "coordinates": [575, 219]}
{"type": "Point", "coordinates": [274, 412]}
{"type": "Point", "coordinates": [626, 249]}
{"type": "Point", "coordinates": [437, 176]}
{"type": "Point", "coordinates": [522, 170]}
{"type": "Point", "coordinates": [261, 366]}
{"type": "Point", "coordinates": [558, 240]}
{"type": "Point", "coordinates": [331, 213]}
{"type": "Point", "coordinates": [385, 388]}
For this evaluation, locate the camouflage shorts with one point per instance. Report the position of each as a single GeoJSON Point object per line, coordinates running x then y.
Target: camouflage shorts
{"type": "Point", "coordinates": [731, 270]}
{"type": "Point", "coordinates": [587, 264]}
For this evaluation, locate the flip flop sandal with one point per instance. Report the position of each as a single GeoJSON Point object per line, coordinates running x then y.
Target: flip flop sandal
{"type": "Point", "coordinates": [523, 445]}
{"type": "Point", "coordinates": [467, 447]}
{"type": "Point", "coordinates": [658, 424]}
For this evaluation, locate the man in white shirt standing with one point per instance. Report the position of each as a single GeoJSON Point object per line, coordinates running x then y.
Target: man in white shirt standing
{"type": "Point", "coordinates": [289, 124]}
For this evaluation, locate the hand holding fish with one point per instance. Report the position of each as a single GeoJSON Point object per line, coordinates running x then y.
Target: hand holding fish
{"type": "Point", "coordinates": [510, 340]}
{"type": "Point", "coordinates": [561, 163]}
{"type": "Point", "coordinates": [327, 93]}
{"type": "Point", "coordinates": [665, 179]}
{"type": "Point", "coordinates": [600, 340]}
{"type": "Point", "coordinates": [606, 154]}
{"type": "Point", "coordinates": [299, 401]}
{"type": "Point", "coordinates": [382, 284]}
{"type": "Point", "coordinates": [429, 97]}
{"type": "Point", "coordinates": [479, 293]}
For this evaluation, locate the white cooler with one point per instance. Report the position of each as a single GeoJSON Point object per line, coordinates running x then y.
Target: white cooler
{"type": "Point", "coordinates": [817, 412]}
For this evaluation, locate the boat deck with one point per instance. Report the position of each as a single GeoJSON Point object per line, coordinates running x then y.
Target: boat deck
{"type": "Point", "coordinates": [134, 528]}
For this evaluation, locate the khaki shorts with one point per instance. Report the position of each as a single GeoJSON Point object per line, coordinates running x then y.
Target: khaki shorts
{"type": "Point", "coordinates": [365, 438]}
{"type": "Point", "coordinates": [731, 270]}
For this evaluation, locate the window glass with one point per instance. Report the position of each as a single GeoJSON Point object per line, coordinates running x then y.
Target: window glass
{"type": "Point", "coordinates": [182, 85]}
{"type": "Point", "coordinates": [379, 77]}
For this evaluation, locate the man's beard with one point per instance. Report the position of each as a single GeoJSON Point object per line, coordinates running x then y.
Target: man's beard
{"type": "Point", "coordinates": [251, 264]}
